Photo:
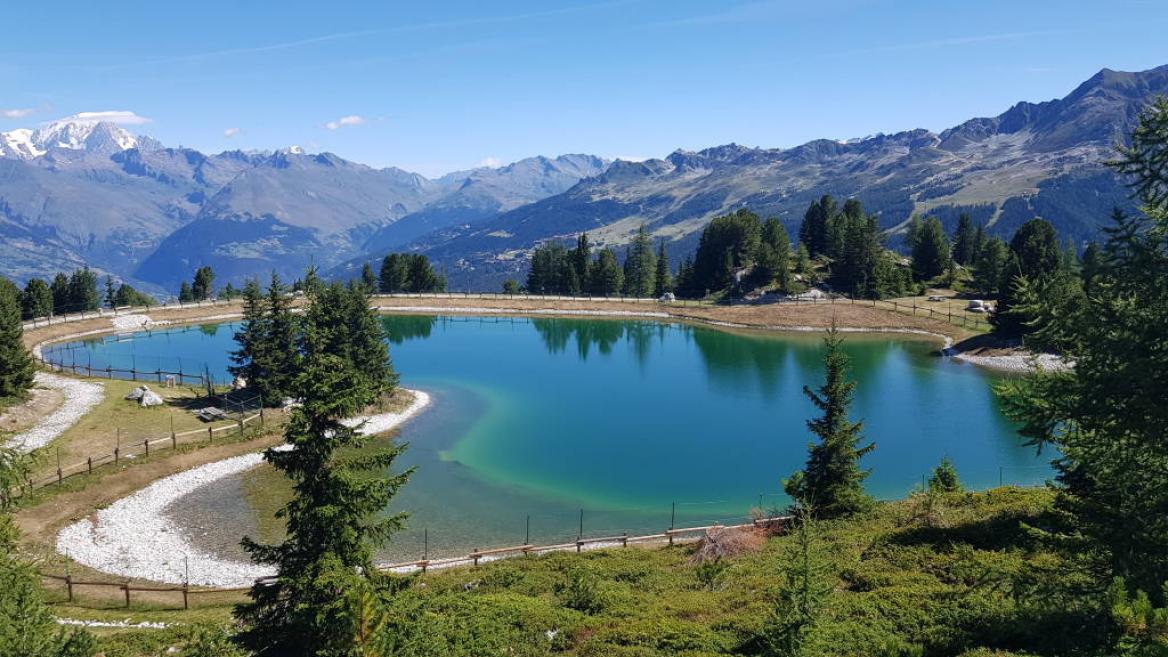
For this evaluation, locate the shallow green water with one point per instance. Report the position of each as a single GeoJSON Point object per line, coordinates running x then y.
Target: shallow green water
{"type": "Point", "coordinates": [623, 419]}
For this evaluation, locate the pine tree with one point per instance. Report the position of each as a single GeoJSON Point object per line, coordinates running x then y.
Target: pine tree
{"type": "Point", "coordinates": [640, 267]}
{"type": "Point", "coordinates": [16, 365]}
{"type": "Point", "coordinates": [368, 279]}
{"type": "Point", "coordinates": [60, 291]}
{"type": "Point", "coordinates": [203, 287]}
{"type": "Point", "coordinates": [965, 241]}
{"type": "Point", "coordinates": [126, 295]}
{"type": "Point", "coordinates": [1035, 256]}
{"type": "Point", "coordinates": [805, 589]}
{"type": "Point", "coordinates": [366, 344]}
{"type": "Point", "coordinates": [392, 277]}
{"type": "Point", "coordinates": [944, 478]}
{"type": "Point", "coordinates": [1090, 270]}
{"type": "Point", "coordinates": [930, 252]}
{"type": "Point", "coordinates": [339, 495]}
{"type": "Point", "coordinates": [605, 274]}
{"type": "Point", "coordinates": [184, 292]}
{"type": "Point", "coordinates": [989, 273]}
{"type": "Point", "coordinates": [662, 281]}
{"type": "Point", "coordinates": [281, 358]}
{"type": "Point", "coordinates": [581, 259]}
{"type": "Point", "coordinates": [83, 291]}
{"type": "Point", "coordinates": [110, 292]}
{"type": "Point", "coordinates": [252, 354]}
{"type": "Point", "coordinates": [1106, 415]}
{"type": "Point", "coordinates": [803, 260]}
{"type": "Point", "coordinates": [831, 484]}
{"type": "Point", "coordinates": [37, 299]}
{"type": "Point", "coordinates": [813, 232]}
{"type": "Point", "coordinates": [775, 236]}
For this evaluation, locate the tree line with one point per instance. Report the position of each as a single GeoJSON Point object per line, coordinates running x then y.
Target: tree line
{"type": "Point", "coordinates": [403, 273]}
{"type": "Point", "coordinates": [76, 292]}
{"type": "Point", "coordinates": [557, 270]}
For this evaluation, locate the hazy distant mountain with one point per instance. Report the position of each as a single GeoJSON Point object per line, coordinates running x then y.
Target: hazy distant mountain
{"type": "Point", "coordinates": [82, 191]}
{"type": "Point", "coordinates": [1035, 159]}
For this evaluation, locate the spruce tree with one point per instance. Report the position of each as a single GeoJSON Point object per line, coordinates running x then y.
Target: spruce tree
{"type": "Point", "coordinates": [930, 252]}
{"type": "Point", "coordinates": [813, 232]}
{"type": "Point", "coordinates": [775, 236]}
{"type": "Point", "coordinates": [16, 365]}
{"type": "Point", "coordinates": [60, 291]}
{"type": "Point", "coordinates": [184, 292]}
{"type": "Point", "coordinates": [83, 293]}
{"type": "Point", "coordinates": [392, 277]}
{"type": "Point", "coordinates": [581, 259]}
{"type": "Point", "coordinates": [251, 356]}
{"type": "Point", "coordinates": [1106, 415]}
{"type": "Point", "coordinates": [366, 344]}
{"type": "Point", "coordinates": [1090, 270]}
{"type": "Point", "coordinates": [37, 299]}
{"type": "Point", "coordinates": [965, 241]}
{"type": "Point", "coordinates": [1035, 256]}
{"type": "Point", "coordinates": [110, 292]}
{"type": "Point", "coordinates": [606, 276]}
{"type": "Point", "coordinates": [203, 287]}
{"type": "Point", "coordinates": [640, 268]}
{"type": "Point", "coordinates": [334, 519]}
{"type": "Point", "coordinates": [662, 281]}
{"type": "Point", "coordinates": [281, 358]}
{"type": "Point", "coordinates": [989, 272]}
{"type": "Point", "coordinates": [368, 279]}
{"type": "Point", "coordinates": [831, 484]}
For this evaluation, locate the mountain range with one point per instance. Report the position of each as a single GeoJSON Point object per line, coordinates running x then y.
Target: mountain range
{"type": "Point", "coordinates": [81, 191]}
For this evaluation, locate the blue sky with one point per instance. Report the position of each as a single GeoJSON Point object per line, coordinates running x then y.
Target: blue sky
{"type": "Point", "coordinates": [448, 85]}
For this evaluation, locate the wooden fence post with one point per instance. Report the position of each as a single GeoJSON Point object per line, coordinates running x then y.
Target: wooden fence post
{"type": "Point", "coordinates": [69, 586]}
{"type": "Point", "coordinates": [126, 589]}
{"type": "Point", "coordinates": [89, 462]}
{"type": "Point", "coordinates": [210, 435]}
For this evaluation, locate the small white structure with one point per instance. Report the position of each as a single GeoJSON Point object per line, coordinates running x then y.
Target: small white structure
{"type": "Point", "coordinates": [668, 297]}
{"type": "Point", "coordinates": [239, 383]}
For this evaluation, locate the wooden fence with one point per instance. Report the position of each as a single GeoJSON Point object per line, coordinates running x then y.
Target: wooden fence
{"type": "Point", "coordinates": [143, 448]}
{"type": "Point", "coordinates": [156, 375]}
{"type": "Point", "coordinates": [123, 591]}
{"type": "Point", "coordinates": [81, 315]}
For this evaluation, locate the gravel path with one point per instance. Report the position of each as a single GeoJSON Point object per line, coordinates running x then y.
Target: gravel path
{"type": "Point", "coordinates": [80, 398]}
{"type": "Point", "coordinates": [133, 537]}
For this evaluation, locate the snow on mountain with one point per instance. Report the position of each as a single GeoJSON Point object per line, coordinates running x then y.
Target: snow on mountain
{"type": "Point", "coordinates": [87, 131]}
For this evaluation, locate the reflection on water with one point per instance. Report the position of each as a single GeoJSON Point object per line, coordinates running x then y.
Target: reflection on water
{"type": "Point", "coordinates": [544, 417]}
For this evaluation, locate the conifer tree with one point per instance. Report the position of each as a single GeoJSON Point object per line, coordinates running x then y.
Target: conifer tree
{"type": "Point", "coordinates": [606, 275]}
{"type": "Point", "coordinates": [1091, 268]}
{"type": "Point", "coordinates": [281, 352]}
{"type": "Point", "coordinates": [813, 232]}
{"type": "Point", "coordinates": [366, 344]}
{"type": "Point", "coordinates": [944, 478]}
{"type": "Point", "coordinates": [775, 236]}
{"type": "Point", "coordinates": [368, 279]}
{"type": "Point", "coordinates": [989, 274]}
{"type": "Point", "coordinates": [334, 518]}
{"type": "Point", "coordinates": [964, 241]}
{"type": "Point", "coordinates": [16, 365]}
{"type": "Point", "coordinates": [37, 299]}
{"type": "Point", "coordinates": [930, 252]}
{"type": "Point", "coordinates": [662, 281]}
{"type": "Point", "coordinates": [392, 277]}
{"type": "Point", "coordinates": [802, 260]}
{"type": "Point", "coordinates": [640, 268]}
{"type": "Point", "coordinates": [251, 356]}
{"type": "Point", "coordinates": [60, 291]}
{"type": "Point", "coordinates": [110, 292]}
{"type": "Point", "coordinates": [1106, 415]}
{"type": "Point", "coordinates": [805, 588]}
{"type": "Point", "coordinates": [581, 259]}
{"type": "Point", "coordinates": [184, 292]}
{"type": "Point", "coordinates": [203, 287]}
{"type": "Point", "coordinates": [1035, 256]}
{"type": "Point", "coordinates": [83, 293]}
{"type": "Point", "coordinates": [831, 484]}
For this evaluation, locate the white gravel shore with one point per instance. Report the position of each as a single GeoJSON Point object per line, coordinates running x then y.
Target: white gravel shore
{"type": "Point", "coordinates": [1018, 362]}
{"type": "Point", "coordinates": [79, 398]}
{"type": "Point", "coordinates": [134, 538]}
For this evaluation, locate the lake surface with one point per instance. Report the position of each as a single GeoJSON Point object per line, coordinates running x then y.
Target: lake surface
{"type": "Point", "coordinates": [637, 423]}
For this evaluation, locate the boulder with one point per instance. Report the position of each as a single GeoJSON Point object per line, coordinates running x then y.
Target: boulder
{"type": "Point", "coordinates": [149, 398]}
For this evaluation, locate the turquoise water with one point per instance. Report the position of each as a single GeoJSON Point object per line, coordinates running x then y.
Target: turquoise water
{"type": "Point", "coordinates": [639, 424]}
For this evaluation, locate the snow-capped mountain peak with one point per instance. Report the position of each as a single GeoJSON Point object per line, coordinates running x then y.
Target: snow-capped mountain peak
{"type": "Point", "coordinates": [86, 131]}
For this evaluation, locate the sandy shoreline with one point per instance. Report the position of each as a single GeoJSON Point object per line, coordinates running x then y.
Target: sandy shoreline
{"type": "Point", "coordinates": [133, 537]}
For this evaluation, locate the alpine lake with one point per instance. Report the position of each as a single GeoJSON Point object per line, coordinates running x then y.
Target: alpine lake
{"type": "Point", "coordinates": [542, 429]}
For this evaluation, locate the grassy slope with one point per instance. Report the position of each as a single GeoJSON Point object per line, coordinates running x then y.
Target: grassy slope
{"type": "Point", "coordinates": [953, 586]}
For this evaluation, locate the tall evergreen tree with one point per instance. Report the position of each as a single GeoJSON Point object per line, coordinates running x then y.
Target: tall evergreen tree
{"type": "Point", "coordinates": [110, 291]}
{"type": "Point", "coordinates": [662, 281]}
{"type": "Point", "coordinates": [930, 252]}
{"type": "Point", "coordinates": [368, 278]}
{"type": "Point", "coordinates": [831, 484]}
{"type": "Point", "coordinates": [1035, 256]}
{"type": "Point", "coordinates": [990, 270]}
{"type": "Point", "coordinates": [813, 230]}
{"type": "Point", "coordinates": [392, 277]}
{"type": "Point", "coordinates": [581, 259]}
{"type": "Point", "coordinates": [1092, 267]}
{"type": "Point", "coordinates": [606, 276]}
{"type": "Point", "coordinates": [366, 344]}
{"type": "Point", "coordinates": [37, 299]}
{"type": "Point", "coordinates": [203, 287]}
{"type": "Point", "coordinates": [727, 244]}
{"type": "Point", "coordinates": [775, 238]}
{"type": "Point", "coordinates": [60, 290]}
{"type": "Point", "coordinates": [964, 241]}
{"type": "Point", "coordinates": [334, 519]}
{"type": "Point", "coordinates": [640, 268]}
{"type": "Point", "coordinates": [16, 365]}
{"type": "Point", "coordinates": [126, 295]}
{"type": "Point", "coordinates": [250, 358]}
{"type": "Point", "coordinates": [83, 293]}
{"type": "Point", "coordinates": [184, 292]}
{"type": "Point", "coordinates": [282, 354]}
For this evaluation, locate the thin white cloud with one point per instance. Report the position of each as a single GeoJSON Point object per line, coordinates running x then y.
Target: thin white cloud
{"type": "Point", "coordinates": [230, 132]}
{"type": "Point", "coordinates": [351, 120]}
{"type": "Point", "coordinates": [490, 162]}
{"type": "Point", "coordinates": [632, 158]}
{"type": "Point", "coordinates": [120, 117]}
{"type": "Point", "coordinates": [17, 112]}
